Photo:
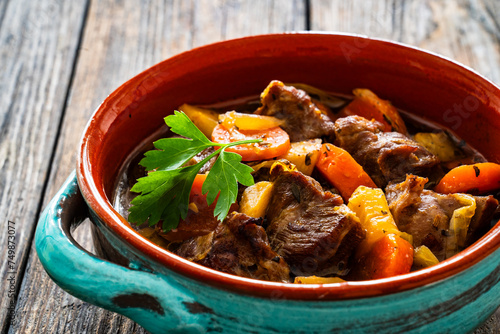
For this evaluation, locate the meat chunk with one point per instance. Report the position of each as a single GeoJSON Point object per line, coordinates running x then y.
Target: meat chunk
{"type": "Point", "coordinates": [238, 246]}
{"type": "Point", "coordinates": [311, 229]}
{"type": "Point", "coordinates": [418, 212]}
{"type": "Point", "coordinates": [426, 214]}
{"type": "Point", "coordinates": [385, 156]}
{"type": "Point", "coordinates": [303, 119]}
{"type": "Point", "coordinates": [199, 222]}
{"type": "Point", "coordinates": [486, 207]}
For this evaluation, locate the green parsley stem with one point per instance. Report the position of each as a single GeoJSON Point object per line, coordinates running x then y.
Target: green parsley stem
{"type": "Point", "coordinates": [223, 146]}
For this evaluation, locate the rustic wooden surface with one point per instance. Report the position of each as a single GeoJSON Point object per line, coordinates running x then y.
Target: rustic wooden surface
{"type": "Point", "coordinates": [60, 59]}
{"type": "Point", "coordinates": [38, 45]}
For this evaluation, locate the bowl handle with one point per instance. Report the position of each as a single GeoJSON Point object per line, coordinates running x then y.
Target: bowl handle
{"type": "Point", "coordinates": [152, 300]}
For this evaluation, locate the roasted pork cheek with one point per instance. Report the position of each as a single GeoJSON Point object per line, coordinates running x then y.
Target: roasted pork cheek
{"type": "Point", "coordinates": [238, 246]}
{"type": "Point", "coordinates": [311, 229]}
{"type": "Point", "coordinates": [303, 119]}
{"type": "Point", "coordinates": [385, 156]}
{"type": "Point", "coordinates": [426, 214]}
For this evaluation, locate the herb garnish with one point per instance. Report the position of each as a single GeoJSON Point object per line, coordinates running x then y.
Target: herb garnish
{"type": "Point", "coordinates": [164, 192]}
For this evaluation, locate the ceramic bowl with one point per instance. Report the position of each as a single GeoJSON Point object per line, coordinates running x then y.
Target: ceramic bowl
{"type": "Point", "coordinates": [166, 293]}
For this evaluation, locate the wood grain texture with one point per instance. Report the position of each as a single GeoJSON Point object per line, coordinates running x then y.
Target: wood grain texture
{"type": "Point", "coordinates": [38, 43]}
{"type": "Point", "coordinates": [467, 31]}
{"type": "Point", "coordinates": [121, 39]}
{"type": "Point", "coordinates": [124, 37]}
{"type": "Point", "coordinates": [3, 9]}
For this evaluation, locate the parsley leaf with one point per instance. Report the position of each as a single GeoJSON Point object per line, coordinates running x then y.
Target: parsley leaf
{"type": "Point", "coordinates": [224, 176]}
{"type": "Point", "coordinates": [165, 195]}
{"type": "Point", "coordinates": [172, 153]}
{"type": "Point", "coordinates": [164, 192]}
{"type": "Point", "coordinates": [180, 123]}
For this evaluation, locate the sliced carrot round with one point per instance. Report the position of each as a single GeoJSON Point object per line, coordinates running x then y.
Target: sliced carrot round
{"type": "Point", "coordinates": [474, 179]}
{"type": "Point", "coordinates": [275, 142]}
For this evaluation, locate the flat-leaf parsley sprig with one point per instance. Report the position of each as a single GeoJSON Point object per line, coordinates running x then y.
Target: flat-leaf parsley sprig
{"type": "Point", "coordinates": [164, 192]}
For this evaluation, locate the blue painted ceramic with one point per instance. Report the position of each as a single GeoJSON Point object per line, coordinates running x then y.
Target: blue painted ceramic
{"type": "Point", "coordinates": [167, 294]}
{"type": "Point", "coordinates": [163, 301]}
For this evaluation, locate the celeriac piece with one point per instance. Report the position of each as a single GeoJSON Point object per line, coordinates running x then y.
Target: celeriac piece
{"type": "Point", "coordinates": [304, 155]}
{"type": "Point", "coordinates": [248, 121]}
{"type": "Point", "coordinates": [438, 144]}
{"type": "Point", "coordinates": [204, 119]}
{"type": "Point", "coordinates": [255, 199]}
{"type": "Point", "coordinates": [459, 224]}
{"type": "Point", "coordinates": [423, 257]}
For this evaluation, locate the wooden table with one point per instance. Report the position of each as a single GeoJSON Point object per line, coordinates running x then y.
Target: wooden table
{"type": "Point", "coordinates": [59, 59]}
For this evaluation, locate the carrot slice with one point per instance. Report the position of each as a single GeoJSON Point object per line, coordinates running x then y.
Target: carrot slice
{"type": "Point", "coordinates": [370, 106]}
{"type": "Point", "coordinates": [197, 185]}
{"type": "Point", "coordinates": [390, 256]}
{"type": "Point", "coordinates": [275, 142]}
{"type": "Point", "coordinates": [473, 179]}
{"type": "Point", "coordinates": [342, 171]}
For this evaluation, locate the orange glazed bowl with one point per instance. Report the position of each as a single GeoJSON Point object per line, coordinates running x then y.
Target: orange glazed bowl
{"type": "Point", "coordinates": [166, 293]}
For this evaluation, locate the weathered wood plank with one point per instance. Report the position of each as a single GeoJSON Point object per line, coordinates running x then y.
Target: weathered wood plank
{"type": "Point", "coordinates": [3, 9]}
{"type": "Point", "coordinates": [38, 43]}
{"type": "Point", "coordinates": [467, 31]}
{"type": "Point", "coordinates": [121, 39]}
{"type": "Point", "coordinates": [113, 51]}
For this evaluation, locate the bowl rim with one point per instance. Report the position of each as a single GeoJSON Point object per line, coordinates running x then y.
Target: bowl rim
{"type": "Point", "coordinates": [97, 201]}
